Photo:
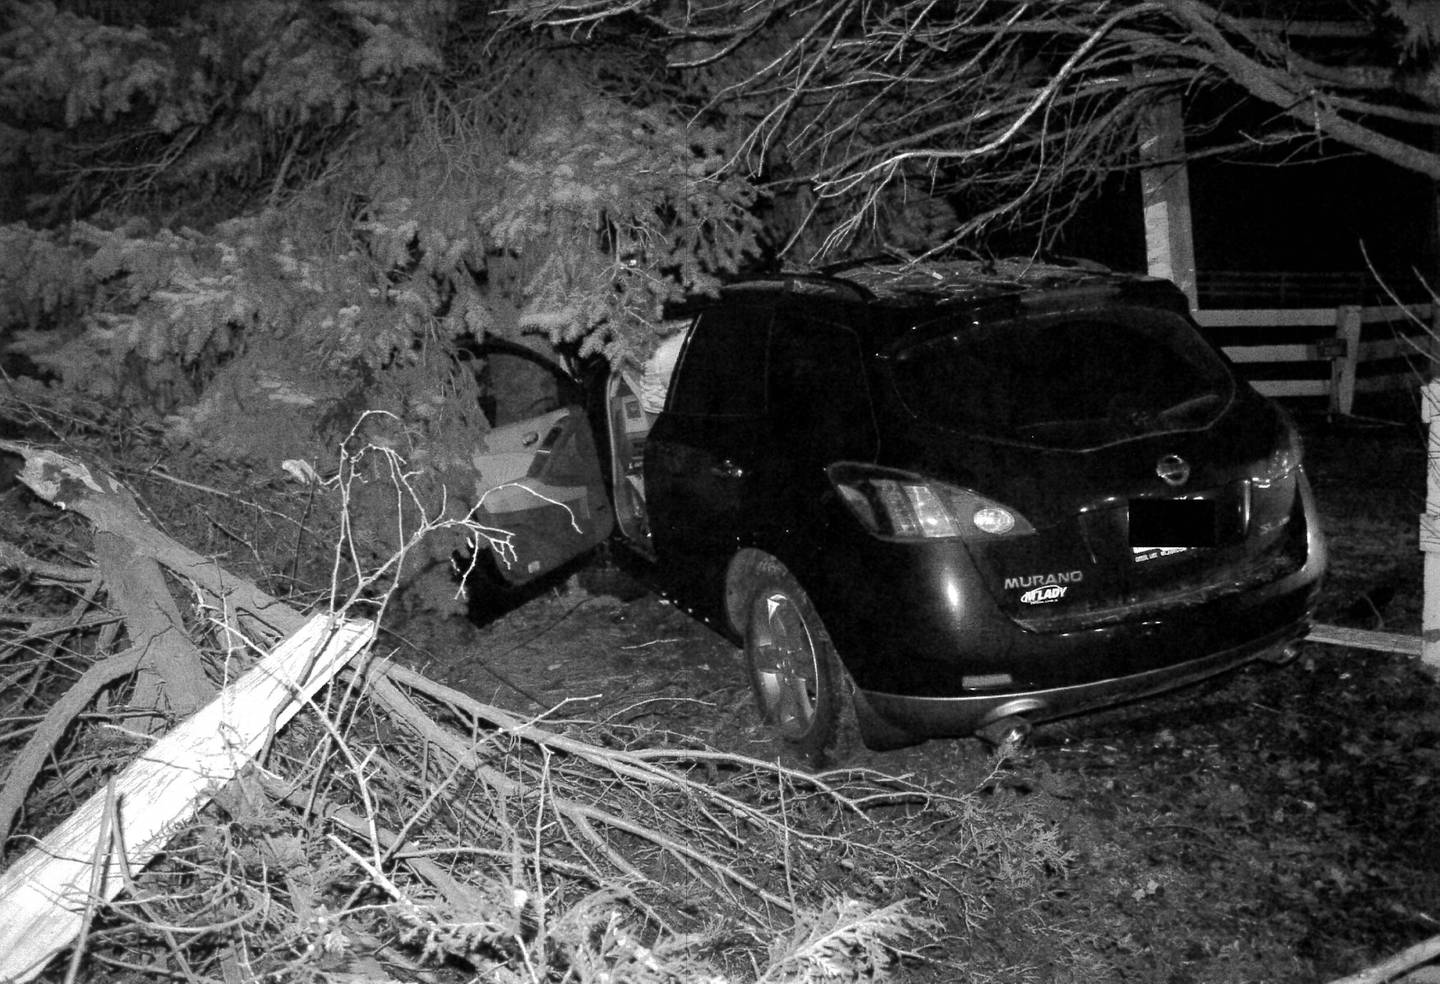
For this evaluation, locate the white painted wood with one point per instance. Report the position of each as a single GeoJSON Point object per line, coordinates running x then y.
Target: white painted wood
{"type": "Point", "coordinates": [1430, 528]}
{"type": "Point", "coordinates": [1396, 312]}
{"type": "Point", "coordinates": [1348, 320]}
{"type": "Point", "coordinates": [44, 894]}
{"type": "Point", "coordinates": [1292, 387]}
{"type": "Point", "coordinates": [1385, 384]}
{"type": "Point", "coordinates": [1342, 370]}
{"type": "Point", "coordinates": [1165, 194]}
{"type": "Point", "coordinates": [1390, 348]}
{"type": "Point", "coordinates": [1271, 353]}
{"type": "Point", "coordinates": [1301, 317]}
{"type": "Point", "coordinates": [1265, 317]}
{"type": "Point", "coordinates": [1385, 642]}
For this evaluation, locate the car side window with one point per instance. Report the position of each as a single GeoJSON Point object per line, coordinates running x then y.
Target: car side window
{"type": "Point", "coordinates": [818, 387]}
{"type": "Point", "coordinates": [722, 370]}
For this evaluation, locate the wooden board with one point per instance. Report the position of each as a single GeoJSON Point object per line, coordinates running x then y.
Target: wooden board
{"type": "Point", "coordinates": [1292, 387]}
{"type": "Point", "coordinates": [1391, 349]}
{"type": "Point", "coordinates": [1385, 642]}
{"type": "Point", "coordinates": [1264, 318]}
{"type": "Point", "coordinates": [44, 895]}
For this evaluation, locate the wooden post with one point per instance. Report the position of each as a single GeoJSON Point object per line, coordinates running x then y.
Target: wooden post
{"type": "Point", "coordinates": [1342, 368]}
{"type": "Point", "coordinates": [1430, 528]}
{"type": "Point", "coordinates": [45, 895]}
{"type": "Point", "coordinates": [1165, 193]}
{"type": "Point", "coordinates": [1430, 344]}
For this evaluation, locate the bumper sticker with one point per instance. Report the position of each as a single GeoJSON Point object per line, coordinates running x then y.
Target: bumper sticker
{"type": "Point", "coordinates": [1143, 554]}
{"type": "Point", "coordinates": [1045, 595]}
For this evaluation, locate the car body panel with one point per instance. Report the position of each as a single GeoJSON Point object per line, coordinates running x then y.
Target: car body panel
{"type": "Point", "coordinates": [1155, 549]}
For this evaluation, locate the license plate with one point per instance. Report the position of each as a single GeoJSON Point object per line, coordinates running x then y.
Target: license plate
{"type": "Point", "coordinates": [1157, 523]}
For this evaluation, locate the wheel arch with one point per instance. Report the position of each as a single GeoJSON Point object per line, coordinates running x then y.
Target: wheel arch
{"type": "Point", "coordinates": [739, 575]}
{"type": "Point", "coordinates": [745, 566]}
{"type": "Point", "coordinates": [792, 557]}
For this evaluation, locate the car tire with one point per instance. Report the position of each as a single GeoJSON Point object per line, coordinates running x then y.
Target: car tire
{"type": "Point", "coordinates": [800, 687]}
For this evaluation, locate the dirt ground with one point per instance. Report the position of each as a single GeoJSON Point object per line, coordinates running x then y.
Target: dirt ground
{"type": "Point", "coordinates": [1279, 824]}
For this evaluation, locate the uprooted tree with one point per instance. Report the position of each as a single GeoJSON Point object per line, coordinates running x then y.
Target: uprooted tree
{"type": "Point", "coordinates": [295, 213]}
{"type": "Point", "coordinates": [248, 222]}
{"type": "Point", "coordinates": [397, 823]}
{"type": "Point", "coordinates": [1013, 111]}
{"type": "Point", "coordinates": [238, 228]}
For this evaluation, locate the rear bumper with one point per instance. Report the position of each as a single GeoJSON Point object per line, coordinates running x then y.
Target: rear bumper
{"type": "Point", "coordinates": [1217, 636]}
{"type": "Point", "coordinates": [946, 717]}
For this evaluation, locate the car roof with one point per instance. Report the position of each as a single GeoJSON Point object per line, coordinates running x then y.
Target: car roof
{"type": "Point", "coordinates": [964, 280]}
{"type": "Point", "coordinates": [897, 297]}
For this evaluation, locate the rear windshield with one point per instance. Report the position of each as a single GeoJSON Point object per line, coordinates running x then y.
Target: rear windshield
{"type": "Point", "coordinates": [1066, 382]}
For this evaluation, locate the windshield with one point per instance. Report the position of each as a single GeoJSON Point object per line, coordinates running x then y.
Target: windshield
{"type": "Point", "coordinates": [1069, 382]}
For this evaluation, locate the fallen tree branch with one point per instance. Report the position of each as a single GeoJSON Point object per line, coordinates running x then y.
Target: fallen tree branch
{"type": "Point", "coordinates": [55, 632]}
{"type": "Point", "coordinates": [17, 559]}
{"type": "Point", "coordinates": [460, 896]}
{"type": "Point", "coordinates": [169, 677]}
{"type": "Point", "coordinates": [616, 790]}
{"type": "Point", "coordinates": [634, 766]}
{"type": "Point", "coordinates": [1402, 963]}
{"type": "Point", "coordinates": [165, 663]}
{"type": "Point", "coordinates": [45, 893]}
{"type": "Point", "coordinates": [100, 498]}
{"type": "Point", "coordinates": [29, 763]}
{"type": "Point", "coordinates": [521, 850]}
{"type": "Point", "coordinates": [37, 628]}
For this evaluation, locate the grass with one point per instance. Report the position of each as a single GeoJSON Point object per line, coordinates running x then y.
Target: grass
{"type": "Point", "coordinates": [1280, 826]}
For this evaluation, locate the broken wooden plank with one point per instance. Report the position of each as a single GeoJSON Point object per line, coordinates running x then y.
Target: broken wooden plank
{"type": "Point", "coordinates": [1385, 642]}
{"type": "Point", "coordinates": [1429, 521]}
{"type": "Point", "coordinates": [43, 895]}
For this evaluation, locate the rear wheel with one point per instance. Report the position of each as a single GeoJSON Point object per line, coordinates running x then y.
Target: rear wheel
{"type": "Point", "coordinates": [795, 675]}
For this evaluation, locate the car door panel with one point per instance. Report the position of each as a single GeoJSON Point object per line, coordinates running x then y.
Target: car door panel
{"type": "Point", "coordinates": [703, 484]}
{"type": "Point", "coordinates": [705, 455]}
{"type": "Point", "coordinates": [540, 495]}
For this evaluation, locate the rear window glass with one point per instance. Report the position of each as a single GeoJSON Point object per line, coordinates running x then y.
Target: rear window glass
{"type": "Point", "coordinates": [722, 370]}
{"type": "Point", "coordinates": [818, 391]}
{"type": "Point", "coordinates": [1071, 382]}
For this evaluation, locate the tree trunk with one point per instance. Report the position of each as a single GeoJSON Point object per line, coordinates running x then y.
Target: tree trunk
{"type": "Point", "coordinates": [170, 677]}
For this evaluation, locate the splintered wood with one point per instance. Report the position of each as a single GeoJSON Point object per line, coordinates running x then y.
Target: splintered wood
{"type": "Point", "coordinates": [45, 895]}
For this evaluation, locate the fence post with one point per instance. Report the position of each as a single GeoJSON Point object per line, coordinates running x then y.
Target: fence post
{"type": "Point", "coordinates": [1165, 197]}
{"type": "Point", "coordinates": [1342, 370]}
{"type": "Point", "coordinates": [1430, 528]}
{"type": "Point", "coordinates": [1431, 342]}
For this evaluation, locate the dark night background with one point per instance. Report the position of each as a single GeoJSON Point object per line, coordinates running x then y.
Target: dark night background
{"type": "Point", "coordinates": [242, 238]}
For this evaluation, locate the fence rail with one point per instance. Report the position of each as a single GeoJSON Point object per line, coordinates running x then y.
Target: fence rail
{"type": "Point", "coordinates": [1248, 289]}
{"type": "Point", "coordinates": [1243, 289]}
{"type": "Point", "coordinates": [1331, 352]}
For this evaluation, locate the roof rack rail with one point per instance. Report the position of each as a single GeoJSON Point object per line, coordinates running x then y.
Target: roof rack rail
{"type": "Point", "coordinates": [867, 261]}
{"type": "Point", "coordinates": [889, 277]}
{"type": "Point", "coordinates": [810, 282]}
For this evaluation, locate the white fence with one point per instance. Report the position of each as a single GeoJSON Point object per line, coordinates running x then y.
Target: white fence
{"type": "Point", "coordinates": [1331, 352]}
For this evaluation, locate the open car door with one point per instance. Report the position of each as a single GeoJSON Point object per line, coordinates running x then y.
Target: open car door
{"type": "Point", "coordinates": [540, 493]}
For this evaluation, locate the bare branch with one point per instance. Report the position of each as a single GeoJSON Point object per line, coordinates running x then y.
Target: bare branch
{"type": "Point", "coordinates": [30, 761]}
{"type": "Point", "coordinates": [1292, 95]}
{"type": "Point", "coordinates": [17, 559]}
{"type": "Point", "coordinates": [1012, 109]}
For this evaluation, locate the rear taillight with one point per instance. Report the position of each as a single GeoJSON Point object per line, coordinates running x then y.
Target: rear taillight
{"type": "Point", "coordinates": [892, 503]}
{"type": "Point", "coordinates": [1284, 459]}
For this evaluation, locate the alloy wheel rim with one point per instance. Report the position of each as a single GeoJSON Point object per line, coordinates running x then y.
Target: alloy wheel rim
{"type": "Point", "coordinates": [785, 665]}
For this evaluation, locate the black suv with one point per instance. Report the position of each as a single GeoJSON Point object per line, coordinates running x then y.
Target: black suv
{"type": "Point", "coordinates": [957, 498]}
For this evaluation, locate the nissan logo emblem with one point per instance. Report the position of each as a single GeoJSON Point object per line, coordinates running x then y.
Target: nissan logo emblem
{"type": "Point", "coordinates": [1174, 469]}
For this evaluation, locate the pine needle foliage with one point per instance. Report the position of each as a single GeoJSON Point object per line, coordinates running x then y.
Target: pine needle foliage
{"type": "Point", "coordinates": [276, 216]}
